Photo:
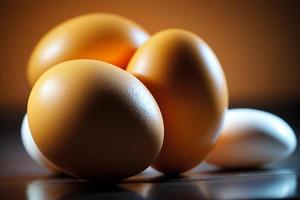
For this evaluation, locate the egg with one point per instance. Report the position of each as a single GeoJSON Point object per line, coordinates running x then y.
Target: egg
{"type": "Point", "coordinates": [99, 36]}
{"type": "Point", "coordinates": [252, 138]}
{"type": "Point", "coordinates": [94, 120]}
{"type": "Point", "coordinates": [186, 79]}
{"type": "Point", "coordinates": [32, 149]}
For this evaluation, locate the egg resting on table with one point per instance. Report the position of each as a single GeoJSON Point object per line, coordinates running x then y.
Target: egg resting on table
{"type": "Point", "coordinates": [187, 81]}
{"type": "Point", "coordinates": [32, 149]}
{"type": "Point", "coordinates": [94, 120]}
{"type": "Point", "coordinates": [106, 37]}
{"type": "Point", "coordinates": [252, 138]}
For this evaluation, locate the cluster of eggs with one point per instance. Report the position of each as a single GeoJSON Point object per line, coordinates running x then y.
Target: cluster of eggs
{"type": "Point", "coordinates": [108, 100]}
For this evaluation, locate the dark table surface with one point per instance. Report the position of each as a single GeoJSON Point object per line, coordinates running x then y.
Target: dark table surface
{"type": "Point", "coordinates": [21, 178]}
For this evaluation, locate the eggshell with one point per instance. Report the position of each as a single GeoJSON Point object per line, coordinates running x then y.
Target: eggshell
{"type": "Point", "coordinates": [32, 149]}
{"type": "Point", "coordinates": [187, 81]}
{"type": "Point", "coordinates": [94, 120]}
{"type": "Point", "coordinates": [99, 36]}
{"type": "Point", "coordinates": [252, 138]}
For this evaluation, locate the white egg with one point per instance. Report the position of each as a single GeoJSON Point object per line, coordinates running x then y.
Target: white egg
{"type": "Point", "coordinates": [32, 149]}
{"type": "Point", "coordinates": [252, 138]}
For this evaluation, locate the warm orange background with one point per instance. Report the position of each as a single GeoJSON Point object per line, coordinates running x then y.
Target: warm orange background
{"type": "Point", "coordinates": [257, 42]}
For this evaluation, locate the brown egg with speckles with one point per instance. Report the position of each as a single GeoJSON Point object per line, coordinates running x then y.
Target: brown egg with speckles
{"type": "Point", "coordinates": [187, 81]}
{"type": "Point", "coordinates": [105, 37]}
{"type": "Point", "coordinates": [94, 120]}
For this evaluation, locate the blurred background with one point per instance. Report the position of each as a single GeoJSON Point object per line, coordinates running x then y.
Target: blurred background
{"type": "Point", "coordinates": [257, 42]}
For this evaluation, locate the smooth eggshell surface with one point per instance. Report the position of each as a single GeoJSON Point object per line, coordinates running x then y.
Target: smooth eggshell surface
{"type": "Point", "coordinates": [94, 120]}
{"type": "Point", "coordinates": [99, 36]}
{"type": "Point", "coordinates": [252, 138]}
{"type": "Point", "coordinates": [32, 149]}
{"type": "Point", "coordinates": [188, 83]}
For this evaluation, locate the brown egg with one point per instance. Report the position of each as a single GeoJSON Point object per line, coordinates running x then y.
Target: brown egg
{"type": "Point", "coordinates": [187, 81]}
{"type": "Point", "coordinates": [104, 37]}
{"type": "Point", "coordinates": [94, 120]}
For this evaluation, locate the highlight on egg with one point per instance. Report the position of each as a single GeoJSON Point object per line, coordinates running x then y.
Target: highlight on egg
{"type": "Point", "coordinates": [252, 138]}
{"type": "Point", "coordinates": [94, 120]}
{"type": "Point", "coordinates": [101, 36]}
{"type": "Point", "coordinates": [187, 81]}
{"type": "Point", "coordinates": [32, 149]}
